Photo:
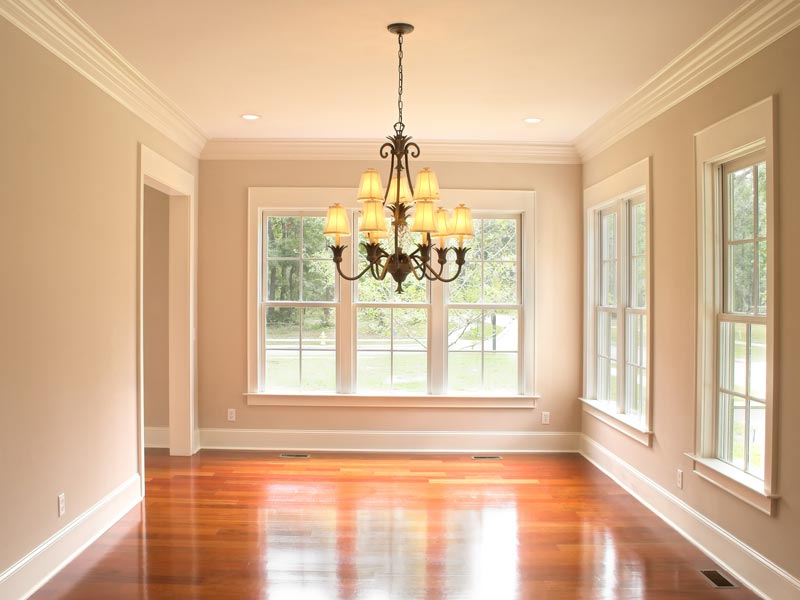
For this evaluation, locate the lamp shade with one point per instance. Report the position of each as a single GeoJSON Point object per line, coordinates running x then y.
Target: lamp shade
{"type": "Point", "coordinates": [370, 186]}
{"type": "Point", "coordinates": [372, 217]}
{"type": "Point", "coordinates": [336, 223]}
{"type": "Point", "coordinates": [424, 217]}
{"type": "Point", "coordinates": [462, 223]}
{"type": "Point", "coordinates": [427, 187]}
{"type": "Point", "coordinates": [405, 192]}
{"type": "Point", "coordinates": [442, 226]}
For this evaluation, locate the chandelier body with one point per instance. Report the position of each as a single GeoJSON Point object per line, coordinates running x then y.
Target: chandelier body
{"type": "Point", "coordinates": [399, 199]}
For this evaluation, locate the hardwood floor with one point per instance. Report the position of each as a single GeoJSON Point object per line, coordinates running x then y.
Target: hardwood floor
{"type": "Point", "coordinates": [240, 525]}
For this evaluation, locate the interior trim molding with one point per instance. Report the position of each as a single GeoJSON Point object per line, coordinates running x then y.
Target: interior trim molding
{"type": "Point", "coordinates": [743, 562]}
{"type": "Point", "coordinates": [58, 28]}
{"type": "Point", "coordinates": [389, 441]}
{"type": "Point", "coordinates": [37, 567]}
{"type": "Point", "coordinates": [156, 437]}
{"type": "Point", "coordinates": [753, 26]}
{"type": "Point", "coordinates": [331, 149]}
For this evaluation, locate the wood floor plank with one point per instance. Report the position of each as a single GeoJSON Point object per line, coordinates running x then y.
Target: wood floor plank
{"type": "Point", "coordinates": [240, 525]}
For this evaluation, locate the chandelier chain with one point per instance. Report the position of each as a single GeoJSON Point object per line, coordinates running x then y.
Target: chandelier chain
{"type": "Point", "coordinates": [400, 80]}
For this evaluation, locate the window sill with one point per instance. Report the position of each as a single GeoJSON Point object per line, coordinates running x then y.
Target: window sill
{"type": "Point", "coordinates": [747, 488]}
{"type": "Point", "coordinates": [622, 423]}
{"type": "Point", "coordinates": [390, 401]}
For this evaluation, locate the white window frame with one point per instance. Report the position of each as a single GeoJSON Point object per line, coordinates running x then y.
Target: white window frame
{"type": "Point", "coordinates": [743, 133]}
{"type": "Point", "coordinates": [493, 202]}
{"type": "Point", "coordinates": [617, 193]}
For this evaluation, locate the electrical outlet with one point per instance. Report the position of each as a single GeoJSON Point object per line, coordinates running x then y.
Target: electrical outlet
{"type": "Point", "coordinates": [231, 414]}
{"type": "Point", "coordinates": [679, 479]}
{"type": "Point", "coordinates": [545, 418]}
{"type": "Point", "coordinates": [62, 504]}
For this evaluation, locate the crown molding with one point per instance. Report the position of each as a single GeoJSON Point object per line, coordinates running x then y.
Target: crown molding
{"type": "Point", "coordinates": [750, 28]}
{"type": "Point", "coordinates": [59, 29]}
{"type": "Point", "coordinates": [437, 151]}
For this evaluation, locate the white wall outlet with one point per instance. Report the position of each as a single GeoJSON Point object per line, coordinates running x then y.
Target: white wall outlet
{"type": "Point", "coordinates": [545, 418]}
{"type": "Point", "coordinates": [231, 414]}
{"type": "Point", "coordinates": [62, 504]}
{"type": "Point", "coordinates": [679, 479]}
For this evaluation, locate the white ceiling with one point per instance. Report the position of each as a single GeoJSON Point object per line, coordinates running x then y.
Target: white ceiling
{"type": "Point", "coordinates": [327, 69]}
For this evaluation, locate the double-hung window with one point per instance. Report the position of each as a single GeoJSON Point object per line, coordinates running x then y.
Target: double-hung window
{"type": "Point", "coordinates": [617, 319]}
{"type": "Point", "coordinates": [736, 332]}
{"type": "Point", "coordinates": [313, 333]}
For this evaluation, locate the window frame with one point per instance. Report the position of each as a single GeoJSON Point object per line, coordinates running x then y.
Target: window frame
{"type": "Point", "coordinates": [275, 199]}
{"type": "Point", "coordinates": [748, 131]}
{"type": "Point", "coordinates": [618, 194]}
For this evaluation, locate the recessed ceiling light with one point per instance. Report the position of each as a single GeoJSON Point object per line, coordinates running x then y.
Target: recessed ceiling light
{"type": "Point", "coordinates": [251, 117]}
{"type": "Point", "coordinates": [532, 120]}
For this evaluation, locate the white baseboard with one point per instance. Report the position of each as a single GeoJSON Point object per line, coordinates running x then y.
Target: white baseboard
{"type": "Point", "coordinates": [156, 437]}
{"type": "Point", "coordinates": [744, 563]}
{"type": "Point", "coordinates": [34, 569]}
{"type": "Point", "coordinates": [390, 441]}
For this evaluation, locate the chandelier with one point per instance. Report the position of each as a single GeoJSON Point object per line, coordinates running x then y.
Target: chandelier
{"type": "Point", "coordinates": [400, 198]}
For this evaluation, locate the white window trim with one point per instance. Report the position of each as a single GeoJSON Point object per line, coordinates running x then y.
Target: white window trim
{"type": "Point", "coordinates": [747, 131]}
{"type": "Point", "coordinates": [630, 182]}
{"type": "Point", "coordinates": [496, 202]}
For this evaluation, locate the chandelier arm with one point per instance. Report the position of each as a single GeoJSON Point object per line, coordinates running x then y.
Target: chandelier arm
{"type": "Point", "coordinates": [359, 276]}
{"type": "Point", "coordinates": [386, 149]}
{"type": "Point", "coordinates": [417, 264]}
{"type": "Point", "coordinates": [414, 151]}
{"type": "Point", "coordinates": [448, 279]}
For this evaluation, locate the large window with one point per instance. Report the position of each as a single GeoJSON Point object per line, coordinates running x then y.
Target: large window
{"type": "Point", "coordinates": [736, 331]}
{"type": "Point", "coordinates": [319, 334]}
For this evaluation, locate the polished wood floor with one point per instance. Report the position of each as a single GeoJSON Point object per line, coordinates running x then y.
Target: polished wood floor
{"type": "Point", "coordinates": [241, 525]}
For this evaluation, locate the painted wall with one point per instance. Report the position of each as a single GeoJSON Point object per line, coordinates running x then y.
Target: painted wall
{"type": "Point", "coordinates": [68, 196]}
{"type": "Point", "coordinates": [156, 308]}
{"type": "Point", "coordinates": [669, 140]}
{"type": "Point", "coordinates": [222, 294]}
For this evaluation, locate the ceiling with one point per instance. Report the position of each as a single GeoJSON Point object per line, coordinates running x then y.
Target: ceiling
{"type": "Point", "coordinates": [318, 69]}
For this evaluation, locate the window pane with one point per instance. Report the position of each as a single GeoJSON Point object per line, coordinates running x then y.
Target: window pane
{"type": "Point", "coordinates": [319, 370]}
{"type": "Point", "coordinates": [636, 344]}
{"type": "Point", "coordinates": [500, 239]}
{"type": "Point", "coordinates": [410, 372]}
{"type": "Point", "coordinates": [283, 237]}
{"type": "Point", "coordinates": [740, 275]}
{"type": "Point", "coordinates": [414, 290]}
{"type": "Point", "coordinates": [374, 371]}
{"type": "Point", "coordinates": [762, 199]}
{"type": "Point", "coordinates": [282, 329]}
{"type": "Point", "coordinates": [608, 295]}
{"type": "Point", "coordinates": [282, 369]}
{"type": "Point", "coordinates": [467, 288]}
{"type": "Point", "coordinates": [758, 361]}
{"type": "Point", "coordinates": [612, 338]}
{"type": "Point", "coordinates": [740, 212]}
{"type": "Point", "coordinates": [636, 391]}
{"type": "Point", "coordinates": [283, 280]}
{"type": "Point", "coordinates": [609, 236]}
{"type": "Point", "coordinates": [501, 331]}
{"type": "Point", "coordinates": [762, 278]}
{"type": "Point", "coordinates": [639, 229]}
{"type": "Point", "coordinates": [755, 463]}
{"type": "Point", "coordinates": [638, 284]}
{"type": "Point", "coordinates": [315, 245]}
{"type": "Point", "coordinates": [370, 289]}
{"type": "Point", "coordinates": [499, 283]}
{"type": "Point", "coordinates": [464, 372]}
{"type": "Point", "coordinates": [500, 373]}
{"type": "Point", "coordinates": [319, 328]}
{"type": "Point", "coordinates": [464, 329]}
{"type": "Point", "coordinates": [318, 280]}
{"type": "Point", "coordinates": [410, 329]}
{"type": "Point", "coordinates": [733, 357]}
{"type": "Point", "coordinates": [374, 328]}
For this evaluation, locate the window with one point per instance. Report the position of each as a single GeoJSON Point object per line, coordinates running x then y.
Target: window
{"type": "Point", "coordinates": [617, 313]}
{"type": "Point", "coordinates": [734, 447]}
{"type": "Point", "coordinates": [315, 334]}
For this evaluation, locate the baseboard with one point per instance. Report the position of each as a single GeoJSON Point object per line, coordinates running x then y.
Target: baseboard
{"type": "Point", "coordinates": [34, 569]}
{"type": "Point", "coordinates": [390, 441]}
{"type": "Point", "coordinates": [156, 437]}
{"type": "Point", "coordinates": [751, 568]}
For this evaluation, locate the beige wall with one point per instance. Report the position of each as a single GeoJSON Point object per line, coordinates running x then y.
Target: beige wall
{"type": "Point", "coordinates": [156, 308]}
{"type": "Point", "coordinates": [669, 140]}
{"type": "Point", "coordinates": [222, 285]}
{"type": "Point", "coordinates": [68, 196]}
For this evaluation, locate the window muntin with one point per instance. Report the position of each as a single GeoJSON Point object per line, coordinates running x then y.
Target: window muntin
{"type": "Point", "coordinates": [298, 304]}
{"type": "Point", "coordinates": [483, 311]}
{"type": "Point", "coordinates": [742, 316]}
{"type": "Point", "coordinates": [620, 307]}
